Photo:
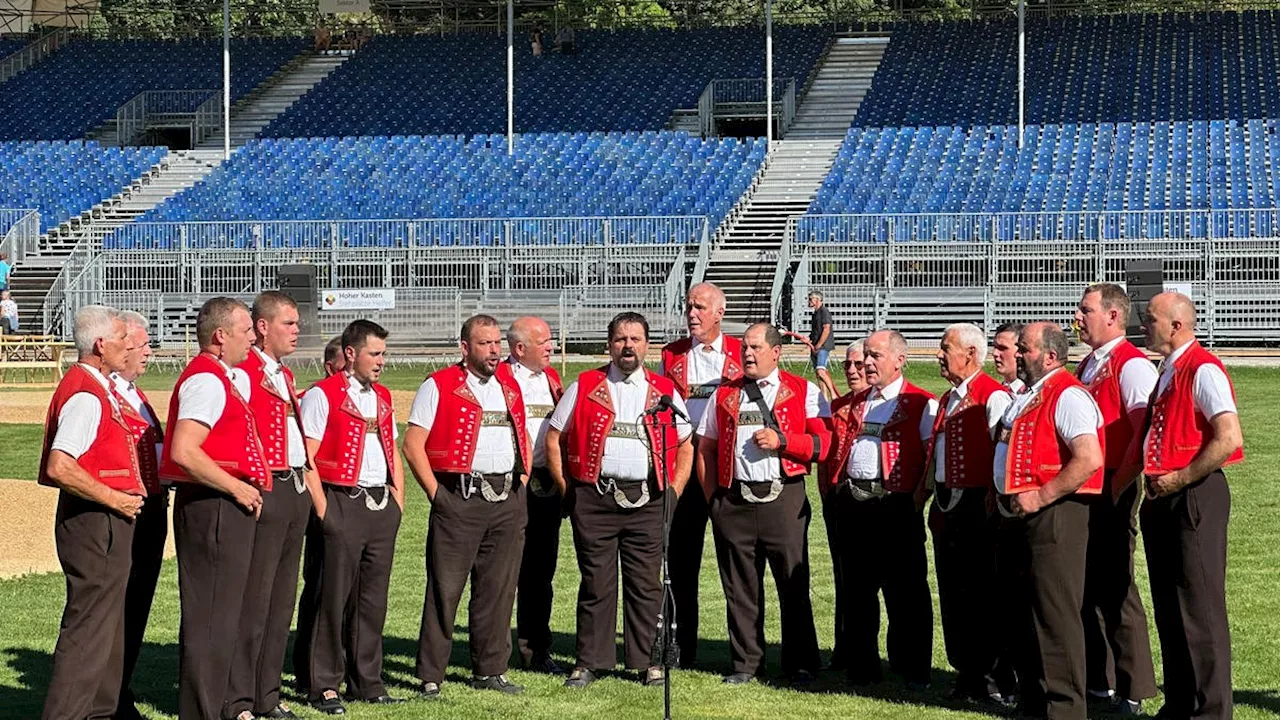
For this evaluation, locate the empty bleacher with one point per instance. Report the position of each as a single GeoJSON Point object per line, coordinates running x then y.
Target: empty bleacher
{"type": "Point", "coordinates": [623, 80]}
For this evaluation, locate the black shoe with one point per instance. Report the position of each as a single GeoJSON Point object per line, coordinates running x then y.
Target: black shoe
{"type": "Point", "coordinates": [544, 664]}
{"type": "Point", "coordinates": [128, 712]}
{"type": "Point", "coordinates": [1100, 698]}
{"type": "Point", "coordinates": [497, 682]}
{"type": "Point", "coordinates": [801, 680]}
{"type": "Point", "coordinates": [277, 712]}
{"type": "Point", "coordinates": [654, 677]}
{"type": "Point", "coordinates": [738, 679]}
{"type": "Point", "coordinates": [429, 691]}
{"type": "Point", "coordinates": [580, 678]}
{"type": "Point", "coordinates": [1125, 706]}
{"type": "Point", "coordinates": [329, 703]}
{"type": "Point", "coordinates": [383, 699]}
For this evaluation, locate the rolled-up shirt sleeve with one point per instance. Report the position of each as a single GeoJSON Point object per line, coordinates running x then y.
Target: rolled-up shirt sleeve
{"type": "Point", "coordinates": [201, 398]}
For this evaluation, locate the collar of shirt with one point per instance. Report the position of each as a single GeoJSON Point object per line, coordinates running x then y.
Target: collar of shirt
{"type": "Point", "coordinates": [121, 384]}
{"type": "Point", "coordinates": [354, 384]}
{"type": "Point", "coordinates": [270, 364]}
{"type": "Point", "coordinates": [1040, 383]}
{"type": "Point", "coordinates": [716, 345]}
{"type": "Point", "coordinates": [961, 391]}
{"type": "Point", "coordinates": [890, 392]}
{"type": "Point", "coordinates": [474, 379]}
{"type": "Point", "coordinates": [1167, 365]}
{"type": "Point", "coordinates": [772, 379]}
{"type": "Point", "coordinates": [97, 375]}
{"type": "Point", "coordinates": [1103, 352]}
{"type": "Point", "coordinates": [635, 378]}
{"type": "Point", "coordinates": [523, 370]}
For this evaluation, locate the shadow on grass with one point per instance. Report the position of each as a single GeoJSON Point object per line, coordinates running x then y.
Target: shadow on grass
{"type": "Point", "coordinates": [155, 681]}
{"type": "Point", "coordinates": [1268, 700]}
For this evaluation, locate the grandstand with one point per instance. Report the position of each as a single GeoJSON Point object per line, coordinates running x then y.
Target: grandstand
{"type": "Point", "coordinates": [901, 185]}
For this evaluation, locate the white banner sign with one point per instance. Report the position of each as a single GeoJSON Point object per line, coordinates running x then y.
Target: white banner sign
{"type": "Point", "coordinates": [372, 299]}
{"type": "Point", "coordinates": [330, 7]}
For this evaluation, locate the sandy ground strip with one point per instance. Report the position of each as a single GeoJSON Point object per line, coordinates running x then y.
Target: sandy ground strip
{"type": "Point", "coordinates": [28, 407]}
{"type": "Point", "coordinates": [27, 532]}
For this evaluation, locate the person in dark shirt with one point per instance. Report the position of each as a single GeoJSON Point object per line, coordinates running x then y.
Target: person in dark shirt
{"type": "Point", "coordinates": [821, 342]}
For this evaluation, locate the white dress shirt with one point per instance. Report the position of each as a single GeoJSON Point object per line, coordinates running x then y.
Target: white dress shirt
{"type": "Point", "coordinates": [315, 418]}
{"type": "Point", "coordinates": [750, 463]}
{"type": "Point", "coordinates": [1211, 390]}
{"type": "Point", "coordinates": [1016, 386]}
{"type": "Point", "coordinates": [625, 458]}
{"type": "Point", "coordinates": [997, 404]}
{"type": "Point", "coordinates": [495, 446]}
{"type": "Point", "coordinates": [275, 375]}
{"type": "Point", "coordinates": [1137, 376]}
{"type": "Point", "coordinates": [129, 392]}
{"type": "Point", "coordinates": [1077, 414]}
{"type": "Point", "coordinates": [864, 459]}
{"type": "Point", "coordinates": [535, 388]}
{"type": "Point", "coordinates": [704, 366]}
{"type": "Point", "coordinates": [79, 418]}
{"type": "Point", "coordinates": [201, 398]}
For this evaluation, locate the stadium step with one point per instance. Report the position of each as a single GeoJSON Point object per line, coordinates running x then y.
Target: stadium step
{"type": "Point", "coordinates": [834, 95]}
{"type": "Point", "coordinates": [272, 98]}
{"type": "Point", "coordinates": [34, 277]}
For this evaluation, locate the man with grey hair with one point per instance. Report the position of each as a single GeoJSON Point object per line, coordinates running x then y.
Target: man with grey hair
{"type": "Point", "coordinates": [963, 538]}
{"type": "Point", "coordinates": [89, 456]}
{"type": "Point", "coordinates": [1047, 461]}
{"type": "Point", "coordinates": [151, 529]}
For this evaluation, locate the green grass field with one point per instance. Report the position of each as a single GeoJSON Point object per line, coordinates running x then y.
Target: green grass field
{"type": "Point", "coordinates": [30, 608]}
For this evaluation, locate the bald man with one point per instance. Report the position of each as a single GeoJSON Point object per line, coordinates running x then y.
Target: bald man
{"type": "Point", "coordinates": [1192, 431]}
{"type": "Point", "coordinates": [697, 365]}
{"type": "Point", "coordinates": [529, 341]}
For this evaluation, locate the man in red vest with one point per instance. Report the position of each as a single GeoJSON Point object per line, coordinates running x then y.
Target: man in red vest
{"type": "Point", "coordinates": [312, 556]}
{"type": "Point", "coordinates": [758, 440]}
{"type": "Point", "coordinates": [351, 434]}
{"type": "Point", "coordinates": [212, 451]}
{"type": "Point", "coordinates": [254, 689]}
{"type": "Point", "coordinates": [152, 526]}
{"type": "Point", "coordinates": [1120, 379]}
{"type": "Point", "coordinates": [620, 453]}
{"type": "Point", "coordinates": [963, 535]}
{"type": "Point", "coordinates": [468, 445]}
{"type": "Point", "coordinates": [876, 468]}
{"type": "Point", "coordinates": [1047, 462]}
{"type": "Point", "coordinates": [89, 456]}
{"type": "Point", "coordinates": [1192, 431]}
{"type": "Point", "coordinates": [1004, 353]}
{"type": "Point", "coordinates": [697, 365]}
{"type": "Point", "coordinates": [531, 346]}
{"type": "Point", "coordinates": [856, 379]}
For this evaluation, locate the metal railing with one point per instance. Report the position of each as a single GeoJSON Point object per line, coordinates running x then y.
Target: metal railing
{"type": "Point", "coordinates": [19, 233]}
{"type": "Point", "coordinates": [920, 273]}
{"type": "Point", "coordinates": [198, 110]}
{"type": "Point", "coordinates": [746, 97]}
{"type": "Point", "coordinates": [34, 52]}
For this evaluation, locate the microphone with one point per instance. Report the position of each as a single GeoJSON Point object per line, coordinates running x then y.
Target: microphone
{"type": "Point", "coordinates": [666, 403]}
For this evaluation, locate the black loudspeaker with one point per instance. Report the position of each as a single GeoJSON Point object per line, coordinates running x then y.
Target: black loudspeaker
{"type": "Point", "coordinates": [1144, 279]}
{"type": "Point", "coordinates": [299, 282]}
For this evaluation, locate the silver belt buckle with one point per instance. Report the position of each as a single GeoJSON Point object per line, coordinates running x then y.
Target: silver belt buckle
{"type": "Point", "coordinates": [864, 490]}
{"type": "Point", "coordinates": [620, 497]}
{"type": "Point", "coordinates": [953, 499]}
{"type": "Point", "coordinates": [299, 479]}
{"type": "Point", "coordinates": [486, 490]}
{"type": "Point", "coordinates": [369, 502]}
{"type": "Point", "coordinates": [1003, 504]}
{"type": "Point", "coordinates": [775, 489]}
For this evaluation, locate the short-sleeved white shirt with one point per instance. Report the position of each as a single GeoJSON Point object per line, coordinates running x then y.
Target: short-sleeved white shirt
{"type": "Point", "coordinates": [750, 463]}
{"type": "Point", "coordinates": [1077, 414]}
{"type": "Point", "coordinates": [1137, 376]}
{"type": "Point", "coordinates": [200, 397]}
{"type": "Point", "coordinates": [495, 447]}
{"type": "Point", "coordinates": [130, 393]}
{"type": "Point", "coordinates": [275, 375]}
{"type": "Point", "coordinates": [704, 365]}
{"type": "Point", "coordinates": [315, 418]}
{"type": "Point", "coordinates": [1211, 390]}
{"type": "Point", "coordinates": [864, 458]}
{"type": "Point", "coordinates": [79, 418]}
{"type": "Point", "coordinates": [539, 403]}
{"type": "Point", "coordinates": [997, 404]}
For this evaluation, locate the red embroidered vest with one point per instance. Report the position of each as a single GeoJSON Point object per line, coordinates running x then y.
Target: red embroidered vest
{"type": "Point", "coordinates": [1106, 391]}
{"type": "Point", "coordinates": [675, 362]}
{"type": "Point", "coordinates": [1036, 454]}
{"type": "Point", "coordinates": [455, 430]}
{"type": "Point", "coordinates": [593, 418]}
{"type": "Point", "coordinates": [232, 442]}
{"type": "Point", "coordinates": [788, 409]}
{"type": "Point", "coordinates": [902, 454]}
{"type": "Point", "coordinates": [1176, 430]}
{"type": "Point", "coordinates": [111, 459]}
{"type": "Point", "coordinates": [145, 437]}
{"type": "Point", "coordinates": [272, 410]}
{"type": "Point", "coordinates": [970, 448]}
{"type": "Point", "coordinates": [341, 450]}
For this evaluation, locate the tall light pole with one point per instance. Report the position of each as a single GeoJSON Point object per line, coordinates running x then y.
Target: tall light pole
{"type": "Point", "coordinates": [511, 78]}
{"type": "Point", "coordinates": [226, 79]}
{"type": "Point", "coordinates": [1022, 67]}
{"type": "Point", "coordinates": [768, 70]}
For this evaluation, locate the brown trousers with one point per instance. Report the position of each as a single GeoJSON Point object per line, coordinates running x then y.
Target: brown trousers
{"type": "Point", "coordinates": [214, 537]}
{"type": "Point", "coordinates": [95, 549]}
{"type": "Point", "coordinates": [150, 530]}
{"type": "Point", "coordinates": [688, 533]}
{"type": "Point", "coordinates": [831, 519]}
{"type": "Point", "coordinates": [1186, 541]}
{"type": "Point", "coordinates": [476, 539]}
{"type": "Point", "coordinates": [885, 539]}
{"type": "Point", "coordinates": [359, 546]}
{"type": "Point", "coordinates": [308, 601]}
{"type": "Point", "coordinates": [537, 571]}
{"type": "Point", "coordinates": [964, 552]}
{"type": "Point", "coordinates": [747, 536]}
{"type": "Point", "coordinates": [269, 599]}
{"type": "Point", "coordinates": [1117, 644]}
{"type": "Point", "coordinates": [604, 537]}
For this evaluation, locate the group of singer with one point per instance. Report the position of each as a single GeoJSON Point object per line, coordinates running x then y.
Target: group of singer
{"type": "Point", "coordinates": [1030, 482]}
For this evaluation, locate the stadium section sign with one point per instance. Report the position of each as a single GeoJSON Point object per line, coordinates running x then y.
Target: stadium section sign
{"type": "Point", "coordinates": [370, 299]}
{"type": "Point", "coordinates": [332, 7]}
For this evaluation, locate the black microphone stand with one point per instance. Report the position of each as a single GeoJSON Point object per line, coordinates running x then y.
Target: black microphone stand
{"type": "Point", "coordinates": [665, 649]}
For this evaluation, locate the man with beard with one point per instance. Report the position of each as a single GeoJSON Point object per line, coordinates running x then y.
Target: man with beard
{"type": "Point", "coordinates": [1118, 662]}
{"type": "Point", "coordinates": [351, 431]}
{"type": "Point", "coordinates": [876, 469]}
{"type": "Point", "coordinates": [1192, 431]}
{"type": "Point", "coordinates": [1048, 461]}
{"type": "Point", "coordinates": [152, 526]}
{"type": "Point", "coordinates": [468, 445]}
{"type": "Point", "coordinates": [1004, 352]}
{"type": "Point", "coordinates": [758, 440]}
{"type": "Point", "coordinates": [530, 343]}
{"type": "Point", "coordinates": [697, 365]}
{"type": "Point", "coordinates": [620, 453]}
{"type": "Point", "coordinates": [963, 536]}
